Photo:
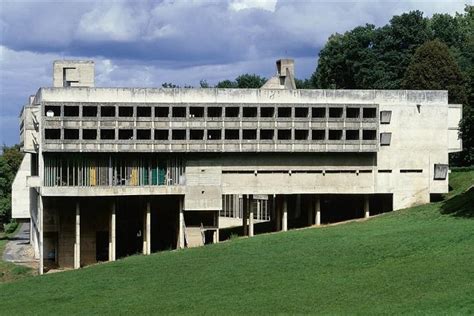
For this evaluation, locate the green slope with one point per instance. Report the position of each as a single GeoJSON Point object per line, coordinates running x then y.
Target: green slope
{"type": "Point", "coordinates": [415, 260]}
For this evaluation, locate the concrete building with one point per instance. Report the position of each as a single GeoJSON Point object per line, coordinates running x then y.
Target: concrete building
{"type": "Point", "coordinates": [109, 172]}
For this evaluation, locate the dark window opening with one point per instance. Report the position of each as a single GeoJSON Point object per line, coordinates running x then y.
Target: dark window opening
{"type": "Point", "coordinates": [267, 112]}
{"type": "Point", "coordinates": [125, 134]}
{"type": "Point", "coordinates": [352, 134]}
{"type": "Point", "coordinates": [266, 134]}
{"type": "Point", "coordinates": [385, 171]}
{"type": "Point", "coordinates": [107, 134]}
{"type": "Point", "coordinates": [161, 111]}
{"type": "Point", "coordinates": [161, 134]}
{"type": "Point", "coordinates": [369, 113]}
{"type": "Point", "coordinates": [178, 111]}
{"type": "Point", "coordinates": [249, 112]}
{"type": "Point", "coordinates": [335, 134]}
{"type": "Point", "coordinates": [318, 112]}
{"type": "Point", "coordinates": [249, 134]}
{"type": "Point", "coordinates": [89, 134]}
{"type": "Point", "coordinates": [125, 111]}
{"type": "Point", "coordinates": [89, 111]}
{"type": "Point", "coordinates": [232, 112]}
{"type": "Point", "coordinates": [301, 112]}
{"type": "Point", "coordinates": [411, 170]}
{"type": "Point", "coordinates": [143, 134]}
{"type": "Point", "coordinates": [196, 111]}
{"type": "Point", "coordinates": [52, 110]}
{"type": "Point", "coordinates": [319, 134]}
{"type": "Point", "coordinates": [352, 112]}
{"type": "Point", "coordinates": [335, 112]}
{"type": "Point", "coordinates": [196, 134]}
{"type": "Point", "coordinates": [52, 133]}
{"type": "Point", "coordinates": [231, 134]}
{"type": "Point", "coordinates": [284, 112]}
{"type": "Point", "coordinates": [71, 133]}
{"type": "Point", "coordinates": [284, 134]}
{"type": "Point", "coordinates": [214, 111]}
{"type": "Point", "coordinates": [71, 111]}
{"type": "Point", "coordinates": [214, 134]}
{"type": "Point", "coordinates": [301, 134]}
{"type": "Point", "coordinates": [178, 134]}
{"type": "Point", "coordinates": [143, 111]}
{"type": "Point", "coordinates": [369, 134]}
{"type": "Point", "coordinates": [107, 111]}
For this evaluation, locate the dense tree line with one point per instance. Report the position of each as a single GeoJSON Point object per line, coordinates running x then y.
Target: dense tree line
{"type": "Point", "coordinates": [10, 160]}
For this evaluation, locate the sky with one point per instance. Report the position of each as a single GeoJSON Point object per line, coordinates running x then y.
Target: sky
{"type": "Point", "coordinates": [146, 43]}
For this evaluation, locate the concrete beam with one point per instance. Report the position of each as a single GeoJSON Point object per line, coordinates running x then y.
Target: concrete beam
{"type": "Point", "coordinates": [317, 209]}
{"type": "Point", "coordinates": [284, 220]}
{"type": "Point", "coordinates": [112, 234]}
{"type": "Point", "coordinates": [181, 225]}
{"type": "Point", "coordinates": [77, 244]}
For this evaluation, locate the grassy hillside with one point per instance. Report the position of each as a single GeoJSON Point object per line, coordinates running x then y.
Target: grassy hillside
{"type": "Point", "coordinates": [415, 260]}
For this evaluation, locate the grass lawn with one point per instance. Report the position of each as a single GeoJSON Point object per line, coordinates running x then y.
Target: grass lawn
{"type": "Point", "coordinates": [9, 271]}
{"type": "Point", "coordinates": [418, 260]}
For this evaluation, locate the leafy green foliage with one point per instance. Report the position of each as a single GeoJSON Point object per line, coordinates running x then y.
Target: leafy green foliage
{"type": "Point", "coordinates": [245, 81]}
{"type": "Point", "coordinates": [10, 161]}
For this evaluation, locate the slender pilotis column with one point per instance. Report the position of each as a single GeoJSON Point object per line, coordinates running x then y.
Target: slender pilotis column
{"type": "Point", "coordinates": [112, 235]}
{"type": "Point", "coordinates": [245, 210]}
{"type": "Point", "coordinates": [148, 228]}
{"type": "Point", "coordinates": [317, 207]}
{"type": "Point", "coordinates": [77, 244]}
{"type": "Point", "coordinates": [181, 225]}
{"type": "Point", "coordinates": [251, 231]}
{"type": "Point", "coordinates": [284, 221]}
{"type": "Point", "coordinates": [40, 231]}
{"type": "Point", "coordinates": [366, 206]}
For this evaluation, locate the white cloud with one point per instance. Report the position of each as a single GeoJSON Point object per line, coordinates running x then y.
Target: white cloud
{"type": "Point", "coordinates": [238, 5]}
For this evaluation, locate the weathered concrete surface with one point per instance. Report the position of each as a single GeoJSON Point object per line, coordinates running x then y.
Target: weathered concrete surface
{"type": "Point", "coordinates": [18, 250]}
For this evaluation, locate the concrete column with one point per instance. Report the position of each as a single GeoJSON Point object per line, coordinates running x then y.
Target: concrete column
{"type": "Point", "coordinates": [366, 206]}
{"type": "Point", "coordinates": [245, 209]}
{"type": "Point", "coordinates": [40, 232]}
{"type": "Point", "coordinates": [310, 211]}
{"type": "Point", "coordinates": [112, 234]}
{"type": "Point", "coordinates": [148, 228]}
{"type": "Point", "coordinates": [77, 244]}
{"type": "Point", "coordinates": [284, 220]}
{"type": "Point", "coordinates": [317, 209]}
{"type": "Point", "coordinates": [251, 231]}
{"type": "Point", "coordinates": [278, 213]}
{"type": "Point", "coordinates": [216, 223]}
{"type": "Point", "coordinates": [181, 225]}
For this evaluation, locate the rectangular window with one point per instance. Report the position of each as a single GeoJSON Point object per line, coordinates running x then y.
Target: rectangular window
{"type": "Point", "coordinates": [125, 111]}
{"type": "Point", "coordinates": [249, 134]}
{"type": "Point", "coordinates": [385, 139]}
{"type": "Point", "coordinates": [71, 111]}
{"type": "Point", "coordinates": [267, 111]}
{"type": "Point", "coordinates": [107, 134]}
{"type": "Point", "coordinates": [143, 111]}
{"type": "Point", "coordinates": [369, 113]}
{"type": "Point", "coordinates": [301, 134]}
{"type": "Point", "coordinates": [143, 134]}
{"type": "Point", "coordinates": [353, 112]}
{"type": "Point", "coordinates": [231, 134]}
{"type": "Point", "coordinates": [161, 134]}
{"type": "Point", "coordinates": [319, 134]}
{"type": "Point", "coordinates": [107, 111]}
{"type": "Point", "coordinates": [266, 134]}
{"type": "Point", "coordinates": [440, 171]}
{"type": "Point", "coordinates": [284, 112]}
{"type": "Point", "coordinates": [411, 170]}
{"type": "Point", "coordinates": [352, 134]}
{"type": "Point", "coordinates": [214, 111]}
{"type": "Point", "coordinates": [52, 110]}
{"type": "Point", "coordinates": [369, 134]}
{"type": "Point", "coordinates": [385, 171]}
{"type": "Point", "coordinates": [89, 134]}
{"type": "Point", "coordinates": [249, 112]}
{"type": "Point", "coordinates": [301, 112]}
{"type": "Point", "coordinates": [196, 134]}
{"type": "Point", "coordinates": [178, 111]}
{"type": "Point", "coordinates": [335, 134]}
{"type": "Point", "coordinates": [318, 112]}
{"type": "Point", "coordinates": [385, 117]}
{"type": "Point", "coordinates": [196, 111]}
{"type": "Point", "coordinates": [232, 111]}
{"type": "Point", "coordinates": [336, 112]}
{"type": "Point", "coordinates": [162, 111]}
{"type": "Point", "coordinates": [89, 111]}
{"type": "Point", "coordinates": [284, 134]}
{"type": "Point", "coordinates": [178, 134]}
{"type": "Point", "coordinates": [70, 133]}
{"type": "Point", "coordinates": [214, 134]}
{"type": "Point", "coordinates": [125, 134]}
{"type": "Point", "coordinates": [52, 133]}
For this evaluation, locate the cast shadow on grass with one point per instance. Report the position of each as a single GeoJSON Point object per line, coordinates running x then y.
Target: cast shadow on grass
{"type": "Point", "coordinates": [461, 205]}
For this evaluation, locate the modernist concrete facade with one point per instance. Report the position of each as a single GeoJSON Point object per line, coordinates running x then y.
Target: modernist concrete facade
{"type": "Point", "coordinates": [109, 172]}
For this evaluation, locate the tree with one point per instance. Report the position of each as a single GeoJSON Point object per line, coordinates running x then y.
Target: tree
{"type": "Point", "coordinates": [226, 84]}
{"type": "Point", "coordinates": [304, 84]}
{"type": "Point", "coordinates": [433, 68]}
{"type": "Point", "coordinates": [248, 81]}
{"type": "Point", "coordinates": [10, 161]}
